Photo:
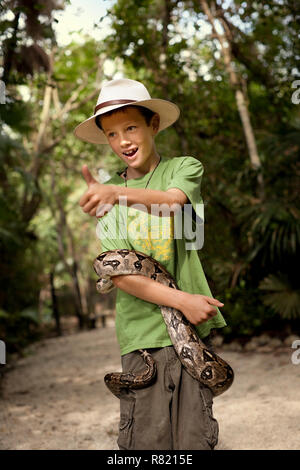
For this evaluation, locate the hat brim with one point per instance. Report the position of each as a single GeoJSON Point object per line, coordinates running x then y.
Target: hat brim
{"type": "Point", "coordinates": [88, 131]}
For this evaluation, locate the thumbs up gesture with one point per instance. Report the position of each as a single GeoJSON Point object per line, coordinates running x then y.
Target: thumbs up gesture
{"type": "Point", "coordinates": [99, 198]}
{"type": "Point", "coordinates": [88, 176]}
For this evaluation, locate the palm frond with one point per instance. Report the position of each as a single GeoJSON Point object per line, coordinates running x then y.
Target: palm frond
{"type": "Point", "coordinates": [283, 298]}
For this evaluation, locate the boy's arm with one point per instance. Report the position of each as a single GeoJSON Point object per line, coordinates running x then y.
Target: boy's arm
{"type": "Point", "coordinates": [106, 195]}
{"type": "Point", "coordinates": [196, 308]}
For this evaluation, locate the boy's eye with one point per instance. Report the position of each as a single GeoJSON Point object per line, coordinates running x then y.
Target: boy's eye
{"type": "Point", "coordinates": [131, 128]}
{"type": "Point", "coordinates": [111, 135]}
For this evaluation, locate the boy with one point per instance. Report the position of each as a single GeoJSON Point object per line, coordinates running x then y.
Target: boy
{"type": "Point", "coordinates": [176, 411]}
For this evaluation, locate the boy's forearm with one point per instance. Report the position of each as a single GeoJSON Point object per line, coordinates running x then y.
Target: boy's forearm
{"type": "Point", "coordinates": [100, 198]}
{"type": "Point", "coordinates": [173, 198]}
{"type": "Point", "coordinates": [149, 290]}
{"type": "Point", "coordinates": [197, 308]}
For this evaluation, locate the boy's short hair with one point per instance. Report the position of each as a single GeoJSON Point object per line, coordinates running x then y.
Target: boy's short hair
{"type": "Point", "coordinates": [145, 112]}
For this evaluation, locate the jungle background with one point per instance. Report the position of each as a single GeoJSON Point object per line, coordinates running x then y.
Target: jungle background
{"type": "Point", "coordinates": [232, 67]}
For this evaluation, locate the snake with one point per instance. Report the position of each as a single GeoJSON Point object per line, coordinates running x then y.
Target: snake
{"type": "Point", "coordinates": [201, 363]}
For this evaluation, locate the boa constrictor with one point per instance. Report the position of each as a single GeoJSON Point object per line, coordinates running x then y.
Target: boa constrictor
{"type": "Point", "coordinates": [201, 363]}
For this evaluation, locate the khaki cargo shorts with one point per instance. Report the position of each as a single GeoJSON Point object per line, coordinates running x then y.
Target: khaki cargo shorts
{"type": "Point", "coordinates": [173, 413]}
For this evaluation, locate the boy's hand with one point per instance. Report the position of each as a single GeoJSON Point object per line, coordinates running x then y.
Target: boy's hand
{"type": "Point", "coordinates": [198, 308]}
{"type": "Point", "coordinates": [99, 198]}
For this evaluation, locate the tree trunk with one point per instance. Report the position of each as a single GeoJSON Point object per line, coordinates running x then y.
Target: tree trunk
{"type": "Point", "coordinates": [55, 309]}
{"type": "Point", "coordinates": [239, 96]}
{"type": "Point", "coordinates": [43, 140]}
{"type": "Point", "coordinates": [63, 229]}
{"type": "Point", "coordinates": [79, 313]}
{"type": "Point", "coordinates": [10, 46]}
{"type": "Point", "coordinates": [72, 270]}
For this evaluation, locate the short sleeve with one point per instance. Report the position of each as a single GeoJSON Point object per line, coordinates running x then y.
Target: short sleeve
{"type": "Point", "coordinates": [187, 177]}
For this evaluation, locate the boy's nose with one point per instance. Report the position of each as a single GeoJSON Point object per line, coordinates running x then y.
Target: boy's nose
{"type": "Point", "coordinates": [124, 142]}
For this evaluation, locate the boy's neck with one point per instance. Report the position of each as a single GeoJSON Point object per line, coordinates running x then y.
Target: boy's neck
{"type": "Point", "coordinates": [148, 166]}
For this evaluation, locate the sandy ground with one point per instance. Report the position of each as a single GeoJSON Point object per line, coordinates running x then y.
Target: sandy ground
{"type": "Point", "coordinates": [55, 397]}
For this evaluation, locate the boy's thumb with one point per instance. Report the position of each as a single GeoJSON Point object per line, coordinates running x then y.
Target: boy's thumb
{"type": "Point", "coordinates": [88, 176]}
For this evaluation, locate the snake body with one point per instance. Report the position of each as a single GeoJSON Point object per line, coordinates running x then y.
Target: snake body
{"type": "Point", "coordinates": [201, 363]}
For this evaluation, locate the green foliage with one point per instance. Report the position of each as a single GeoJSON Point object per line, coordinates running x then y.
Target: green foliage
{"type": "Point", "coordinates": [283, 296]}
{"type": "Point", "coordinates": [255, 237]}
{"type": "Point", "coordinates": [251, 242]}
{"type": "Point", "coordinates": [19, 329]}
{"type": "Point", "coordinates": [245, 313]}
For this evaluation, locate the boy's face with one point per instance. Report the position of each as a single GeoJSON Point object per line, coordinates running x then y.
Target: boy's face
{"type": "Point", "coordinates": [130, 137]}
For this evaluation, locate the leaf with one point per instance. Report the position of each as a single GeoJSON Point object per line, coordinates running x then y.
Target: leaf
{"type": "Point", "coordinates": [284, 299]}
{"type": "Point", "coordinates": [4, 314]}
{"type": "Point", "coordinates": [30, 314]}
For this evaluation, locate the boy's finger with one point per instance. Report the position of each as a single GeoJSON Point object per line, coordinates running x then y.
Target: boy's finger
{"type": "Point", "coordinates": [214, 301]}
{"type": "Point", "coordinates": [84, 199]}
{"type": "Point", "coordinates": [88, 205]}
{"type": "Point", "coordinates": [88, 176]}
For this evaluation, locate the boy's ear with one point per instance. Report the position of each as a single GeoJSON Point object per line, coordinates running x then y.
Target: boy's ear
{"type": "Point", "coordinates": [155, 122]}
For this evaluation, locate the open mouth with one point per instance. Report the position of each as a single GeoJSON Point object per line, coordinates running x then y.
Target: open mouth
{"type": "Point", "coordinates": [130, 153]}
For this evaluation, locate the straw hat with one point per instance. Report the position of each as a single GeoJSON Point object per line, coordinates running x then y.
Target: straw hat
{"type": "Point", "coordinates": [117, 94]}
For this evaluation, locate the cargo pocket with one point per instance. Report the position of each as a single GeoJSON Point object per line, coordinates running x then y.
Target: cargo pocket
{"type": "Point", "coordinates": [212, 426]}
{"type": "Point", "coordinates": [126, 423]}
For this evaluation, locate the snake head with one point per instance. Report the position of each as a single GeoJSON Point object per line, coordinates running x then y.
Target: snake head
{"type": "Point", "coordinates": [104, 285]}
{"type": "Point", "coordinates": [101, 262]}
{"type": "Point", "coordinates": [97, 266]}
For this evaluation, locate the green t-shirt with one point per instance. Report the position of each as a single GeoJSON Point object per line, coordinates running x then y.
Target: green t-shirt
{"type": "Point", "coordinates": [174, 241]}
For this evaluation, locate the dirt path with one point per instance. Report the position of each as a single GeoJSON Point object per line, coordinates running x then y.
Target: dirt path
{"type": "Point", "coordinates": [55, 398]}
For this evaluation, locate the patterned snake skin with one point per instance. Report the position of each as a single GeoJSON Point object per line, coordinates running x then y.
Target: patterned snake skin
{"type": "Point", "coordinates": [202, 364]}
